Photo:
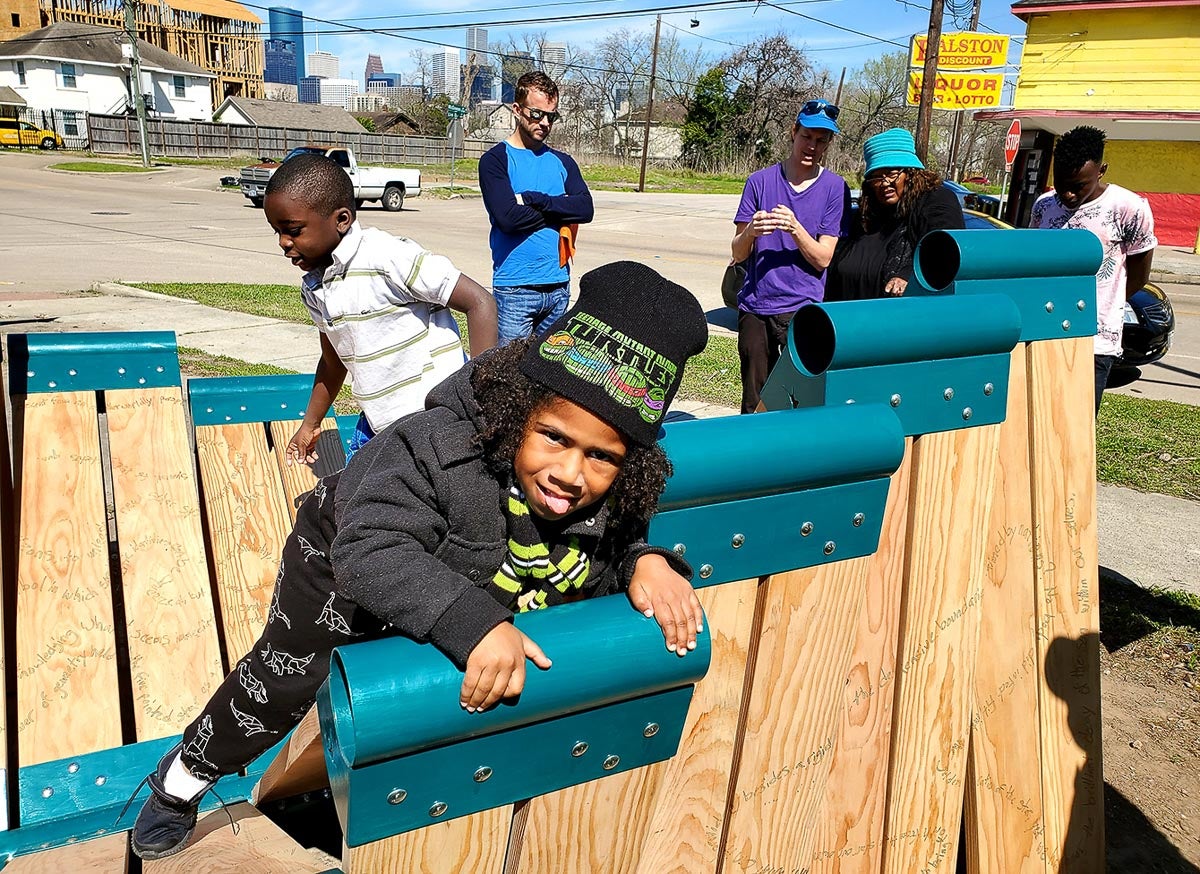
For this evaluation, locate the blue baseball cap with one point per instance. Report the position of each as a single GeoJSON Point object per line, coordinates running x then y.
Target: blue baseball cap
{"type": "Point", "coordinates": [819, 114]}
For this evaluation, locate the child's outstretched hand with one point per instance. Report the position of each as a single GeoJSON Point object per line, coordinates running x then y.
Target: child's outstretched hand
{"type": "Point", "coordinates": [302, 448]}
{"type": "Point", "coordinates": [496, 667]}
{"type": "Point", "coordinates": [661, 593]}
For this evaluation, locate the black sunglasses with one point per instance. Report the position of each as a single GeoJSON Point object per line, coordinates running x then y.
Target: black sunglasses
{"type": "Point", "coordinates": [814, 107]}
{"type": "Point", "coordinates": [539, 114]}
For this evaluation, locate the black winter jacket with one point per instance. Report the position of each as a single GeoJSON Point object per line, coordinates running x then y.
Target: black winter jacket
{"type": "Point", "coordinates": [420, 530]}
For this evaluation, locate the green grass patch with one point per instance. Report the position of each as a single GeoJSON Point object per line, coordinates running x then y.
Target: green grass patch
{"type": "Point", "coordinates": [272, 301]}
{"type": "Point", "coordinates": [1160, 627]}
{"type": "Point", "coordinates": [196, 363]}
{"type": "Point", "coordinates": [672, 181]}
{"type": "Point", "coordinates": [714, 376]}
{"type": "Point", "coordinates": [100, 167]}
{"type": "Point", "coordinates": [1151, 446]}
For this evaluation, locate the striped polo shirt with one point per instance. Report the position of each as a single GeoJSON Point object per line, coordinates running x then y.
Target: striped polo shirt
{"type": "Point", "coordinates": [382, 304]}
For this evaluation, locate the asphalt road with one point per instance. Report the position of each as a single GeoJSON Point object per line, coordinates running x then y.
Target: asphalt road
{"type": "Point", "coordinates": [64, 231]}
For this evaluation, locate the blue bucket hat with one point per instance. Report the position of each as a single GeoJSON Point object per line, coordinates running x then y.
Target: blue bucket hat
{"type": "Point", "coordinates": [818, 114]}
{"type": "Point", "coordinates": [892, 148]}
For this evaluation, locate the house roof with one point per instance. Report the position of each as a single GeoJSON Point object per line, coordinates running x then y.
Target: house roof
{"type": "Point", "coordinates": [8, 97]}
{"type": "Point", "coordinates": [92, 44]}
{"type": "Point", "coordinates": [387, 120]}
{"type": "Point", "coordinates": [303, 116]}
{"type": "Point", "coordinates": [1025, 8]}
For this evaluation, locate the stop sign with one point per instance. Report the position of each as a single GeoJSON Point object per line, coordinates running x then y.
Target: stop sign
{"type": "Point", "coordinates": [1012, 141]}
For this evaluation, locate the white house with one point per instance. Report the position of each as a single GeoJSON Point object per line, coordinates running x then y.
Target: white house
{"type": "Point", "coordinates": [81, 68]}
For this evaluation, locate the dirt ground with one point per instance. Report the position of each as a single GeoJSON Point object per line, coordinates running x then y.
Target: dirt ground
{"type": "Point", "coordinates": [1151, 713]}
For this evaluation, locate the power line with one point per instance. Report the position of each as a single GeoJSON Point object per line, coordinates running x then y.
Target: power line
{"type": "Point", "coordinates": [869, 36]}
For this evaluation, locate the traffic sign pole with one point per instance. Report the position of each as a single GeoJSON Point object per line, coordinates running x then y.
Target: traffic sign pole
{"type": "Point", "coordinates": [1012, 145]}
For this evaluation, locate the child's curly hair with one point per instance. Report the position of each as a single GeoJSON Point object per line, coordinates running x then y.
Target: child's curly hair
{"type": "Point", "coordinates": [508, 399]}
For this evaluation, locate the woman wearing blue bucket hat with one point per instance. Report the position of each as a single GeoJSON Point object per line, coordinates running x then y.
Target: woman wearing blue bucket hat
{"type": "Point", "coordinates": [787, 226]}
{"type": "Point", "coordinates": [901, 202]}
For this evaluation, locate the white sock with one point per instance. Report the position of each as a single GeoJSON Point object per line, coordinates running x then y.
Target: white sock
{"type": "Point", "coordinates": [180, 783]}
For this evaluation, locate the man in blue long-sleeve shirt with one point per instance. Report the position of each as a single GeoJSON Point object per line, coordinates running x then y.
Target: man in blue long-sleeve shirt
{"type": "Point", "coordinates": [533, 195]}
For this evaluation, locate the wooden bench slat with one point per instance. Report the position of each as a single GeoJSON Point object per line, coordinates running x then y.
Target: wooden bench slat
{"type": "Point", "coordinates": [164, 572]}
{"type": "Point", "coordinates": [258, 847]}
{"type": "Point", "coordinates": [299, 479]}
{"type": "Point", "coordinates": [66, 649]}
{"type": "Point", "coordinates": [475, 843]}
{"type": "Point", "coordinates": [107, 855]}
{"type": "Point", "coordinates": [248, 523]}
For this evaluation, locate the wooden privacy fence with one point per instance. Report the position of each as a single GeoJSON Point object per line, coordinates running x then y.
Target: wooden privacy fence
{"type": "Point", "coordinates": [118, 134]}
{"type": "Point", "coordinates": [897, 565]}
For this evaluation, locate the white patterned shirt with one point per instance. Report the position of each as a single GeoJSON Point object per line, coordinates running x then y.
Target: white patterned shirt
{"type": "Point", "coordinates": [1123, 222]}
{"type": "Point", "coordinates": [382, 304]}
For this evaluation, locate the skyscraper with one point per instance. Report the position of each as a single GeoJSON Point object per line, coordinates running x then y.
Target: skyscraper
{"type": "Point", "coordinates": [477, 42]}
{"type": "Point", "coordinates": [554, 59]}
{"type": "Point", "coordinates": [324, 64]}
{"type": "Point", "coordinates": [286, 23]}
{"type": "Point", "coordinates": [446, 73]}
{"type": "Point", "coordinates": [374, 65]}
{"type": "Point", "coordinates": [512, 67]}
{"type": "Point", "coordinates": [280, 57]}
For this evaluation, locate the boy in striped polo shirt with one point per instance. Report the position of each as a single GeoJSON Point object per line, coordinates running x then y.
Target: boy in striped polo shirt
{"type": "Point", "coordinates": [379, 301]}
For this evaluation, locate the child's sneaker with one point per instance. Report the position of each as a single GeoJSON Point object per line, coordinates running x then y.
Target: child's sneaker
{"type": "Point", "coordinates": [165, 823]}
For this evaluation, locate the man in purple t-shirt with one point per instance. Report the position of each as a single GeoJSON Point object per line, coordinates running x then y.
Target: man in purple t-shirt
{"type": "Point", "coordinates": [788, 224]}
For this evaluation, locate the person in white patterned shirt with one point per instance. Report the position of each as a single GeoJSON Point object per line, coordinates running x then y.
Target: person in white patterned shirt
{"type": "Point", "coordinates": [1120, 218]}
{"type": "Point", "coordinates": [380, 302]}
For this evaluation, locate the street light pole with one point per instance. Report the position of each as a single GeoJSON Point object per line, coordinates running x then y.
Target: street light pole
{"type": "Point", "coordinates": [135, 78]}
{"type": "Point", "coordinates": [649, 104]}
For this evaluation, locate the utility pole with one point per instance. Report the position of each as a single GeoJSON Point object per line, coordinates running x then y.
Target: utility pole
{"type": "Point", "coordinates": [649, 104]}
{"type": "Point", "coordinates": [837, 101]}
{"type": "Point", "coordinates": [135, 78]}
{"type": "Point", "coordinates": [952, 171]}
{"type": "Point", "coordinates": [929, 80]}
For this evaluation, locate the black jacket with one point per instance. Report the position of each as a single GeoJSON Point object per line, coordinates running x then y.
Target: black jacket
{"type": "Point", "coordinates": [420, 530]}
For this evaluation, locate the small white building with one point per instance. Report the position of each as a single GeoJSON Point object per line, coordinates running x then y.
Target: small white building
{"type": "Point", "coordinates": [82, 68]}
{"type": "Point", "coordinates": [296, 116]}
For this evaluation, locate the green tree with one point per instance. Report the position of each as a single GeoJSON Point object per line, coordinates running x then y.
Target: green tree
{"type": "Point", "coordinates": [707, 116]}
{"type": "Point", "coordinates": [366, 121]}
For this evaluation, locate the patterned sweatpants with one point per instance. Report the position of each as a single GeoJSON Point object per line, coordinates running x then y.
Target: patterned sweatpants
{"type": "Point", "coordinates": [271, 688]}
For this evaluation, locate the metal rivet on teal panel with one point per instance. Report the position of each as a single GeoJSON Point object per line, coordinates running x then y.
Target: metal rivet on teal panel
{"type": "Point", "coordinates": [92, 361]}
{"type": "Point", "coordinates": [1046, 273]}
{"type": "Point", "coordinates": [748, 491]}
{"type": "Point", "coordinates": [928, 358]}
{"type": "Point", "coordinates": [400, 750]}
{"type": "Point", "coordinates": [232, 400]}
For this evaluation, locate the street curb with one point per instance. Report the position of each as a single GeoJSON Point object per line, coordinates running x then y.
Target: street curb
{"type": "Point", "coordinates": [1175, 278]}
{"type": "Point", "coordinates": [116, 288]}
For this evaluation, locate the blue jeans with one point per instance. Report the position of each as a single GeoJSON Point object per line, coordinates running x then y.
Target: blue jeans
{"type": "Point", "coordinates": [523, 310]}
{"type": "Point", "coordinates": [362, 433]}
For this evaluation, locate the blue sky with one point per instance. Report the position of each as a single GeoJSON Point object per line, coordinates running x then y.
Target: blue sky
{"type": "Point", "coordinates": [894, 20]}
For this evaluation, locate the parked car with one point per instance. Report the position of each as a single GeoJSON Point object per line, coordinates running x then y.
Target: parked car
{"type": "Point", "coordinates": [1149, 316]}
{"type": "Point", "coordinates": [388, 185]}
{"type": "Point", "coordinates": [968, 199]}
{"type": "Point", "coordinates": [21, 133]}
{"type": "Point", "coordinates": [979, 180]}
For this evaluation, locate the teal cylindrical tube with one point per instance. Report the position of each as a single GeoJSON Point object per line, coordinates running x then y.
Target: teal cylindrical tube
{"type": "Point", "coordinates": [943, 257]}
{"type": "Point", "coordinates": [392, 697]}
{"type": "Point", "coordinates": [737, 457]}
{"type": "Point", "coordinates": [869, 333]}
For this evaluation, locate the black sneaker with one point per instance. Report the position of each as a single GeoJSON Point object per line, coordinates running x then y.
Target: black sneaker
{"type": "Point", "coordinates": [165, 823]}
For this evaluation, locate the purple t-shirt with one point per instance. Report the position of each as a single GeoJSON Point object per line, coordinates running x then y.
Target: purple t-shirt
{"type": "Point", "coordinates": [778, 278]}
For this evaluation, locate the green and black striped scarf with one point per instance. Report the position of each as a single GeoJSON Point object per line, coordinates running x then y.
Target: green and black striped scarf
{"type": "Point", "coordinates": [536, 574]}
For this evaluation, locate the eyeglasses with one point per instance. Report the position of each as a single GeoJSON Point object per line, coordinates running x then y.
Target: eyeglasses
{"type": "Point", "coordinates": [815, 107]}
{"type": "Point", "coordinates": [888, 178]}
{"type": "Point", "coordinates": [536, 115]}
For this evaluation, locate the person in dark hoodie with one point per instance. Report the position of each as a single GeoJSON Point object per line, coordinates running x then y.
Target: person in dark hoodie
{"type": "Point", "coordinates": [901, 202]}
{"type": "Point", "coordinates": [528, 481]}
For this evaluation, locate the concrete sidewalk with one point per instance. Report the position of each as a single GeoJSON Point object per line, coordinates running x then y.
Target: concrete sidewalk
{"type": "Point", "coordinates": [1175, 264]}
{"type": "Point", "coordinates": [1151, 539]}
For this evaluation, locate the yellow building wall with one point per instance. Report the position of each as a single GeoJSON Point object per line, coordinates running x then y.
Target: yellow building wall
{"type": "Point", "coordinates": [1115, 59]}
{"type": "Point", "coordinates": [1154, 165]}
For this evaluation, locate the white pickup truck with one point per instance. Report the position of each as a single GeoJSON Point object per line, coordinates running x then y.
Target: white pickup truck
{"type": "Point", "coordinates": [388, 185]}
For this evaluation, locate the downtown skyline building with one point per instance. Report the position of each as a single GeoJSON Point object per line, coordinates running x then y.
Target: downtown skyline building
{"type": "Point", "coordinates": [446, 73]}
{"type": "Point", "coordinates": [324, 65]}
{"type": "Point", "coordinates": [288, 24]}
